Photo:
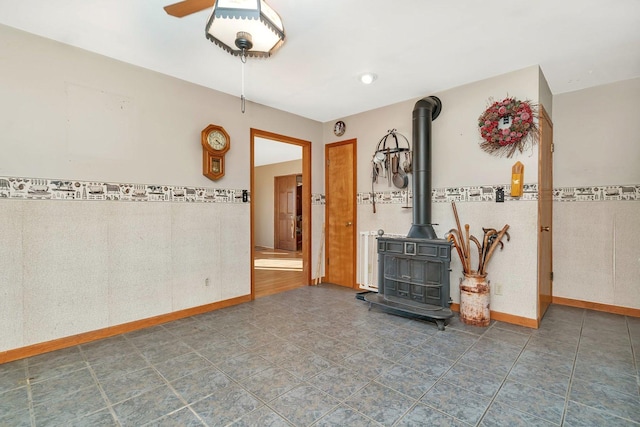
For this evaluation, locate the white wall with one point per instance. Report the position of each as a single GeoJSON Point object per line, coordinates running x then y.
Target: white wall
{"type": "Point", "coordinates": [597, 135]}
{"type": "Point", "coordinates": [68, 267]}
{"type": "Point", "coordinates": [597, 143]}
{"type": "Point", "coordinates": [263, 198]}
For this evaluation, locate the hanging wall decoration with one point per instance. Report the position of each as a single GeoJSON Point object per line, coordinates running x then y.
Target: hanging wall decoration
{"type": "Point", "coordinates": [508, 126]}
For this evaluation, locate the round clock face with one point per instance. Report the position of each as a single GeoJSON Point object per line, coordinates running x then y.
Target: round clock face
{"type": "Point", "coordinates": [339, 128]}
{"type": "Point", "coordinates": [217, 140]}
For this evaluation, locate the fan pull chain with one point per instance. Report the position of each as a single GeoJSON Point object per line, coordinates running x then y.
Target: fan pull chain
{"type": "Point", "coordinates": [243, 58]}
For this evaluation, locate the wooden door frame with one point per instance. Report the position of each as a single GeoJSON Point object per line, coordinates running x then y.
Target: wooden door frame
{"type": "Point", "coordinates": [306, 199]}
{"type": "Point", "coordinates": [539, 314]}
{"type": "Point", "coordinates": [354, 170]}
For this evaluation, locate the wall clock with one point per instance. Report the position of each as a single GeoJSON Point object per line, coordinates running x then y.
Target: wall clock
{"type": "Point", "coordinates": [215, 144]}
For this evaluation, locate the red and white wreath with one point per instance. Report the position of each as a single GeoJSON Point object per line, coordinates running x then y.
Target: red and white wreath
{"type": "Point", "coordinates": [507, 126]}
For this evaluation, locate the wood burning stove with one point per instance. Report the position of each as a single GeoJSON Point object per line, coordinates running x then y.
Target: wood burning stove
{"type": "Point", "coordinates": [413, 272]}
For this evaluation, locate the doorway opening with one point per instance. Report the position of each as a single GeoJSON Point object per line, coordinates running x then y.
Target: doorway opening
{"type": "Point", "coordinates": [280, 214]}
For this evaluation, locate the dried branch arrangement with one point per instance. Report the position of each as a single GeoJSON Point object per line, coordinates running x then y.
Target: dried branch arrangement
{"type": "Point", "coordinates": [462, 243]}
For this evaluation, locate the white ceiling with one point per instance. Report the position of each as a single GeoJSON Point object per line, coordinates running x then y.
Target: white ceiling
{"type": "Point", "coordinates": [417, 47]}
{"type": "Point", "coordinates": [268, 151]}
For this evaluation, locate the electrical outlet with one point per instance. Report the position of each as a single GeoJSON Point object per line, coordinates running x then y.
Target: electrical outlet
{"type": "Point", "coordinates": [499, 195]}
{"type": "Point", "coordinates": [497, 289]}
{"type": "Point", "coordinates": [206, 281]}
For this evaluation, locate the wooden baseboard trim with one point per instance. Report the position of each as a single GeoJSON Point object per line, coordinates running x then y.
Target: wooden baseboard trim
{"type": "Point", "coordinates": [60, 343]}
{"type": "Point", "coordinates": [607, 308]}
{"type": "Point", "coordinates": [504, 317]}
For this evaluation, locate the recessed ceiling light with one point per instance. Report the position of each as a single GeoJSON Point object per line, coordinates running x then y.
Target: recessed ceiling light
{"type": "Point", "coordinates": [368, 78]}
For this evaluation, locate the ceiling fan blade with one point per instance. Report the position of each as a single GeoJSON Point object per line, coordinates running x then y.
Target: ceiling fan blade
{"type": "Point", "coordinates": [187, 7]}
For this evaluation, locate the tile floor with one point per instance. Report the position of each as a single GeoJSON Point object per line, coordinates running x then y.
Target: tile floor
{"type": "Point", "coordinates": [317, 356]}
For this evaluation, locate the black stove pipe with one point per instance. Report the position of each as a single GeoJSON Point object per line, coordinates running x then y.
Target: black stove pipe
{"type": "Point", "coordinates": [425, 111]}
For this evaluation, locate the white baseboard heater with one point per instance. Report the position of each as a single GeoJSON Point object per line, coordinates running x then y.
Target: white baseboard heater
{"type": "Point", "coordinates": [368, 263]}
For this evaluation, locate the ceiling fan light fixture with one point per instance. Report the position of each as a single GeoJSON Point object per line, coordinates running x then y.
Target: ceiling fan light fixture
{"type": "Point", "coordinates": [368, 78]}
{"type": "Point", "coordinates": [230, 18]}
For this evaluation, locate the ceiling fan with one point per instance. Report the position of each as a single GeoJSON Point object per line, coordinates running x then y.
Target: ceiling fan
{"type": "Point", "coordinates": [187, 7]}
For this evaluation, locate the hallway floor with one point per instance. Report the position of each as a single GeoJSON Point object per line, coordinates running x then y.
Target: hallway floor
{"type": "Point", "coordinates": [317, 356]}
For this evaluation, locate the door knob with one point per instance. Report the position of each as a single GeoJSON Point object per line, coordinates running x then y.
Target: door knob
{"type": "Point", "coordinates": [544, 228]}
{"type": "Point", "coordinates": [348, 224]}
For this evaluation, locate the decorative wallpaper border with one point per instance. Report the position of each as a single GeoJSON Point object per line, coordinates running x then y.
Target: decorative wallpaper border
{"type": "Point", "coordinates": [487, 193]}
{"type": "Point", "coordinates": [59, 189]}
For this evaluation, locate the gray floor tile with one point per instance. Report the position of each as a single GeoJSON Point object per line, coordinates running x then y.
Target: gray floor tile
{"type": "Point", "coordinates": [515, 339]}
{"type": "Point", "coordinates": [578, 415]}
{"type": "Point", "coordinates": [336, 353]}
{"type": "Point", "coordinates": [46, 370]}
{"type": "Point", "coordinates": [244, 366]}
{"type": "Point", "coordinates": [16, 419]}
{"type": "Point", "coordinates": [272, 382]}
{"type": "Point", "coordinates": [424, 415]}
{"type": "Point", "coordinates": [220, 351]}
{"type": "Point", "coordinates": [108, 349]}
{"type": "Point", "coordinates": [165, 351]}
{"type": "Point", "coordinates": [102, 418]}
{"type": "Point", "coordinates": [114, 368]}
{"type": "Point", "coordinates": [66, 356]}
{"type": "Point", "coordinates": [225, 405]}
{"type": "Point", "coordinates": [13, 366]}
{"type": "Point", "coordinates": [411, 337]}
{"type": "Point", "coordinates": [407, 381]}
{"type": "Point", "coordinates": [254, 339]}
{"type": "Point", "coordinates": [533, 401]}
{"type": "Point", "coordinates": [513, 328]}
{"type": "Point", "coordinates": [425, 361]}
{"type": "Point", "coordinates": [147, 407]}
{"type": "Point", "coordinates": [345, 416]}
{"type": "Point", "coordinates": [500, 415]}
{"type": "Point", "coordinates": [152, 337]}
{"type": "Point", "coordinates": [621, 380]}
{"type": "Point", "coordinates": [131, 384]}
{"type": "Point", "coordinates": [339, 382]}
{"type": "Point", "coordinates": [562, 365]}
{"type": "Point", "coordinates": [318, 355]}
{"type": "Point", "coordinates": [388, 349]}
{"type": "Point", "coordinates": [278, 351]}
{"type": "Point", "coordinates": [200, 384]}
{"type": "Point", "coordinates": [552, 346]}
{"type": "Point", "coordinates": [474, 379]}
{"type": "Point", "coordinates": [606, 399]}
{"type": "Point", "coordinates": [183, 417]}
{"type": "Point", "coordinates": [303, 405]}
{"type": "Point", "coordinates": [64, 409]}
{"type": "Point", "coordinates": [496, 363]}
{"type": "Point", "coordinates": [15, 400]}
{"type": "Point", "coordinates": [380, 403]}
{"type": "Point", "coordinates": [457, 402]}
{"type": "Point", "coordinates": [182, 365]}
{"type": "Point", "coordinates": [540, 378]}
{"type": "Point", "coordinates": [262, 417]}
{"type": "Point", "coordinates": [201, 338]}
{"type": "Point", "coordinates": [61, 385]}
{"type": "Point", "coordinates": [306, 365]}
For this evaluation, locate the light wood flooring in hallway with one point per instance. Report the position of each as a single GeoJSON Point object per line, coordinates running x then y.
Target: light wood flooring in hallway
{"type": "Point", "coordinates": [277, 271]}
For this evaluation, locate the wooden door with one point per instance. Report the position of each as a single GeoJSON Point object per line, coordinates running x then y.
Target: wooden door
{"type": "Point", "coordinates": [545, 214]}
{"type": "Point", "coordinates": [285, 212]}
{"type": "Point", "coordinates": [340, 235]}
